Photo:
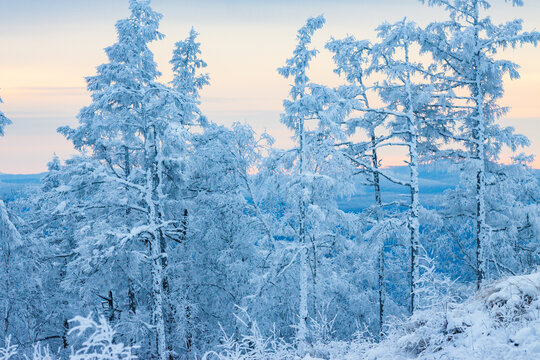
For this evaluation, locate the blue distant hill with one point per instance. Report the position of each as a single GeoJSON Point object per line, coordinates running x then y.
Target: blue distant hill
{"type": "Point", "coordinates": [433, 182]}
{"type": "Point", "coordinates": [13, 184]}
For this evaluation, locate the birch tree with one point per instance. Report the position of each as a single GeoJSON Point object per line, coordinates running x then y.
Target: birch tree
{"type": "Point", "coordinates": [295, 118]}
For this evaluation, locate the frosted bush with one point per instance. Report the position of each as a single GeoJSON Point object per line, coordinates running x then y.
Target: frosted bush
{"type": "Point", "coordinates": [253, 346]}
{"type": "Point", "coordinates": [99, 344]}
{"type": "Point", "coordinates": [8, 351]}
{"type": "Point", "coordinates": [41, 353]}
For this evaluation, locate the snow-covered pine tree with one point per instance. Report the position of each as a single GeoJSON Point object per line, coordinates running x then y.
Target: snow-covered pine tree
{"type": "Point", "coordinates": [134, 134]}
{"type": "Point", "coordinates": [311, 176]}
{"type": "Point", "coordinates": [352, 58]}
{"type": "Point", "coordinates": [466, 47]}
{"type": "Point", "coordinates": [409, 97]}
{"type": "Point", "coordinates": [294, 118]}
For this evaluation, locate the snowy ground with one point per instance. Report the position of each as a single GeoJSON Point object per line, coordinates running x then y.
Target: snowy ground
{"type": "Point", "coordinates": [502, 321]}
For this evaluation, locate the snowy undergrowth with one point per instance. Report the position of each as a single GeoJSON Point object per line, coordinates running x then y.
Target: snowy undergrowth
{"type": "Point", "coordinates": [97, 343]}
{"type": "Point", "coordinates": [502, 321]}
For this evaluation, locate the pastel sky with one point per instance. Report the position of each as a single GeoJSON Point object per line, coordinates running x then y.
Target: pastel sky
{"type": "Point", "coordinates": [48, 47]}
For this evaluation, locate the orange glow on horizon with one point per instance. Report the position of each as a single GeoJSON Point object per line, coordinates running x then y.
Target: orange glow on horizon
{"type": "Point", "coordinates": [49, 52]}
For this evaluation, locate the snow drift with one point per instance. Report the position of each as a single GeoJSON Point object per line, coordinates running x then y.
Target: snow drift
{"type": "Point", "coordinates": [502, 321]}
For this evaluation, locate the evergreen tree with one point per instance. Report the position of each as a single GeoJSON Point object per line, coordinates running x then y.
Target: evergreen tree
{"type": "Point", "coordinates": [466, 47]}
{"type": "Point", "coordinates": [295, 118]}
{"type": "Point", "coordinates": [313, 174]}
{"type": "Point", "coordinates": [133, 134]}
{"type": "Point", "coordinates": [352, 58]}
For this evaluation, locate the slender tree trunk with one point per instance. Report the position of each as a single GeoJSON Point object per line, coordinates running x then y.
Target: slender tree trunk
{"type": "Point", "coordinates": [169, 308]}
{"type": "Point", "coordinates": [155, 241]}
{"type": "Point", "coordinates": [378, 214]}
{"type": "Point", "coordinates": [304, 265]}
{"type": "Point", "coordinates": [303, 305]}
{"type": "Point", "coordinates": [479, 136]}
{"type": "Point", "coordinates": [301, 335]}
{"type": "Point", "coordinates": [131, 289]}
{"type": "Point", "coordinates": [378, 217]}
{"type": "Point", "coordinates": [187, 309]}
{"type": "Point", "coordinates": [480, 225]}
{"type": "Point", "coordinates": [382, 292]}
{"type": "Point", "coordinates": [189, 333]}
{"type": "Point", "coordinates": [314, 279]}
{"type": "Point", "coordinates": [8, 300]}
{"type": "Point", "coordinates": [414, 223]}
{"type": "Point", "coordinates": [157, 294]}
{"type": "Point", "coordinates": [65, 332]}
{"type": "Point", "coordinates": [131, 297]}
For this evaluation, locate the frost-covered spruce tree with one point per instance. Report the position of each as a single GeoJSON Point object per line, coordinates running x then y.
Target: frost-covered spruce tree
{"type": "Point", "coordinates": [4, 121]}
{"type": "Point", "coordinates": [410, 99]}
{"type": "Point", "coordinates": [185, 116]}
{"type": "Point", "coordinates": [295, 118]}
{"type": "Point", "coordinates": [133, 131]}
{"type": "Point", "coordinates": [186, 63]}
{"type": "Point", "coordinates": [313, 174]}
{"type": "Point", "coordinates": [352, 58]}
{"type": "Point", "coordinates": [466, 47]}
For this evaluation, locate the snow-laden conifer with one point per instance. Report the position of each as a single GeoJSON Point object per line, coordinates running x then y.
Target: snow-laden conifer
{"type": "Point", "coordinates": [134, 133]}
{"type": "Point", "coordinates": [466, 47]}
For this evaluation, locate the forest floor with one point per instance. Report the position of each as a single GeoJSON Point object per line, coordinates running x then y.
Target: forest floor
{"type": "Point", "coordinates": [501, 321]}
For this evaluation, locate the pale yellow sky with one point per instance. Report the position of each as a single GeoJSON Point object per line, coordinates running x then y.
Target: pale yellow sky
{"type": "Point", "coordinates": [48, 47]}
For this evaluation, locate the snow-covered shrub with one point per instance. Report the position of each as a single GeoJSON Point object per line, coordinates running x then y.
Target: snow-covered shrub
{"type": "Point", "coordinates": [252, 346]}
{"type": "Point", "coordinates": [511, 298]}
{"type": "Point", "coordinates": [501, 322]}
{"type": "Point", "coordinates": [9, 350]}
{"type": "Point", "coordinates": [322, 327]}
{"type": "Point", "coordinates": [99, 343]}
{"type": "Point", "coordinates": [41, 353]}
